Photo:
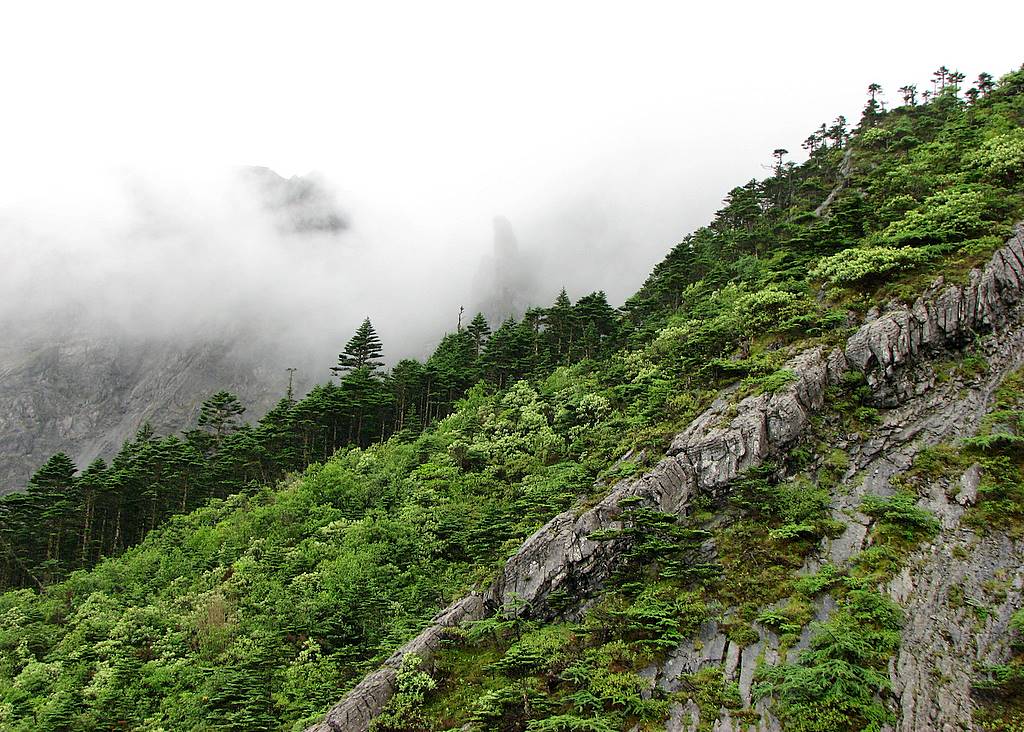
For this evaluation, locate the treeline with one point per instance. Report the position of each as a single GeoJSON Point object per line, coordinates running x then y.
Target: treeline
{"type": "Point", "coordinates": [949, 155]}
{"type": "Point", "coordinates": [65, 521]}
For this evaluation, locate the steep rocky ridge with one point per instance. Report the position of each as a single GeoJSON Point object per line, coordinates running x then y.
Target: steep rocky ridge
{"type": "Point", "coordinates": [896, 350]}
{"type": "Point", "coordinates": [941, 645]}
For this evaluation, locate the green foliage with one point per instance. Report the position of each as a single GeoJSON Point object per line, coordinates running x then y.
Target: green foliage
{"type": "Point", "coordinates": [176, 588]}
{"type": "Point", "coordinates": [998, 690]}
{"type": "Point", "coordinates": [571, 723]}
{"type": "Point", "coordinates": [952, 215]}
{"type": "Point", "coordinates": [835, 684]}
{"type": "Point", "coordinates": [897, 517]}
{"type": "Point", "coordinates": [404, 711]}
{"type": "Point", "coordinates": [824, 579]}
{"type": "Point", "coordinates": [656, 545]}
{"type": "Point", "coordinates": [1001, 158]}
{"type": "Point", "coordinates": [776, 381]}
{"type": "Point", "coordinates": [869, 264]}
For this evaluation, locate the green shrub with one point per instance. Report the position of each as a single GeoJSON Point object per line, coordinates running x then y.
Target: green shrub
{"type": "Point", "coordinates": [953, 215]}
{"type": "Point", "coordinates": [898, 517]}
{"type": "Point", "coordinates": [860, 265]}
{"type": "Point", "coordinates": [836, 683]}
{"type": "Point", "coordinates": [404, 711]}
{"type": "Point", "coordinates": [1001, 158]}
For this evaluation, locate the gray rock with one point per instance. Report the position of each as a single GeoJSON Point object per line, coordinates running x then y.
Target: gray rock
{"type": "Point", "coordinates": [969, 483]}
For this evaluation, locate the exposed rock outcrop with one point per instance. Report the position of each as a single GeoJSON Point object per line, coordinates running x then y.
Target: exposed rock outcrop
{"type": "Point", "coordinates": [705, 457]}
{"type": "Point", "coordinates": [938, 319]}
{"type": "Point", "coordinates": [891, 349]}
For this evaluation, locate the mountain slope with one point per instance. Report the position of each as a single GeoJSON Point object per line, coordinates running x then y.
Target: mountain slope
{"type": "Point", "coordinates": [900, 353]}
{"type": "Point", "coordinates": [724, 506]}
{"type": "Point", "coordinates": [80, 379]}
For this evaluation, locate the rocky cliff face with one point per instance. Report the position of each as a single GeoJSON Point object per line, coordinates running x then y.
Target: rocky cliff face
{"type": "Point", "coordinates": [86, 393]}
{"type": "Point", "coordinates": [898, 351]}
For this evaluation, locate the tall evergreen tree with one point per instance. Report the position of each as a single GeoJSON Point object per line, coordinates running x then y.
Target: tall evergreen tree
{"type": "Point", "coordinates": [51, 491]}
{"type": "Point", "coordinates": [558, 333]}
{"type": "Point", "coordinates": [478, 330]}
{"type": "Point", "coordinates": [985, 83]}
{"type": "Point", "coordinates": [364, 350]}
{"type": "Point", "coordinates": [219, 414]}
{"type": "Point", "coordinates": [597, 322]}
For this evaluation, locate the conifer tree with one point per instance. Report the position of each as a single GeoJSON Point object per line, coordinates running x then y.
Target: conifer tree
{"type": "Point", "coordinates": [837, 132]}
{"type": "Point", "coordinates": [479, 330]}
{"type": "Point", "coordinates": [51, 492]}
{"type": "Point", "coordinates": [985, 83]}
{"type": "Point", "coordinates": [364, 350]}
{"type": "Point", "coordinates": [503, 353]}
{"type": "Point", "coordinates": [778, 154]}
{"type": "Point", "coordinates": [219, 414]}
{"type": "Point", "coordinates": [406, 382]}
{"type": "Point", "coordinates": [558, 334]}
{"type": "Point", "coordinates": [596, 319]}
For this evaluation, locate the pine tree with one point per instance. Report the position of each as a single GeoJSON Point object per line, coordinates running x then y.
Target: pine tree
{"type": "Point", "coordinates": [479, 330]}
{"type": "Point", "coordinates": [597, 322]}
{"type": "Point", "coordinates": [956, 78]}
{"type": "Point", "coordinates": [502, 356]}
{"type": "Point", "coordinates": [837, 132]}
{"type": "Point", "coordinates": [560, 320]}
{"type": "Point", "coordinates": [363, 350]}
{"type": "Point", "coordinates": [91, 485]}
{"type": "Point", "coordinates": [406, 381]}
{"type": "Point", "coordinates": [219, 414]}
{"type": "Point", "coordinates": [778, 154]}
{"type": "Point", "coordinates": [51, 491]}
{"type": "Point", "coordinates": [985, 83]}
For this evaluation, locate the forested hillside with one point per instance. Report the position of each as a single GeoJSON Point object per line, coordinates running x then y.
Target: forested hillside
{"type": "Point", "coordinates": [243, 576]}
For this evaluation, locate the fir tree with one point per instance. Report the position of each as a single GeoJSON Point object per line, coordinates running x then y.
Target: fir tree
{"type": "Point", "coordinates": [985, 83]}
{"type": "Point", "coordinates": [219, 414]}
{"type": "Point", "coordinates": [364, 350]}
{"type": "Point", "coordinates": [559, 331]}
{"type": "Point", "coordinates": [478, 330]}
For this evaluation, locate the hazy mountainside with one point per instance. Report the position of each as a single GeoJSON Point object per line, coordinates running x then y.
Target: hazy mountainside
{"type": "Point", "coordinates": [87, 393]}
{"type": "Point", "coordinates": [85, 385]}
{"type": "Point", "coordinates": [781, 488]}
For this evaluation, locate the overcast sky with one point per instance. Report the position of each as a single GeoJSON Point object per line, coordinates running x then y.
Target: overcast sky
{"type": "Point", "coordinates": [603, 131]}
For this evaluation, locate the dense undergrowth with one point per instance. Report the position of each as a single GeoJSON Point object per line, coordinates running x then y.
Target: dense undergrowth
{"type": "Point", "coordinates": [257, 609]}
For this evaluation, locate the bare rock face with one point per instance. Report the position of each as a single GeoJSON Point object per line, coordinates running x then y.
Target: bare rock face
{"type": "Point", "coordinates": [893, 351]}
{"type": "Point", "coordinates": [86, 393]}
{"type": "Point", "coordinates": [959, 591]}
{"type": "Point", "coordinates": [705, 457]}
{"type": "Point", "coordinates": [888, 344]}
